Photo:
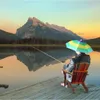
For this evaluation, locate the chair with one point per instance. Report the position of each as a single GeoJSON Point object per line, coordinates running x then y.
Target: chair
{"type": "Point", "coordinates": [79, 75]}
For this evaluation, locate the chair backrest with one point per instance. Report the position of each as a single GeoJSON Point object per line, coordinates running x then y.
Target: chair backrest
{"type": "Point", "coordinates": [79, 73]}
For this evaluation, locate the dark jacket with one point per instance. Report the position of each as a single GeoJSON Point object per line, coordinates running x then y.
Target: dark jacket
{"type": "Point", "coordinates": [81, 58]}
{"type": "Point", "coordinates": [78, 59]}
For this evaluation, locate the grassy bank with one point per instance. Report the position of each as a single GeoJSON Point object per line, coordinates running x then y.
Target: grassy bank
{"type": "Point", "coordinates": [48, 45]}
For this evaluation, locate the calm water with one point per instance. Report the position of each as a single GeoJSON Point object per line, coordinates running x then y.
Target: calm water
{"type": "Point", "coordinates": [21, 68]}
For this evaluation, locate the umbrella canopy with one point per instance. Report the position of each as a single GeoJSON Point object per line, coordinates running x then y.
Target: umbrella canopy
{"type": "Point", "coordinates": [79, 45]}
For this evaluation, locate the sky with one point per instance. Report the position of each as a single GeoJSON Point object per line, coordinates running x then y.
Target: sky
{"type": "Point", "coordinates": [80, 16]}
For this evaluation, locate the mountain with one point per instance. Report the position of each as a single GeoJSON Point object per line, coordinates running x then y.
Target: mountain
{"type": "Point", "coordinates": [7, 36]}
{"type": "Point", "coordinates": [60, 28]}
{"type": "Point", "coordinates": [95, 41]}
{"type": "Point", "coordinates": [36, 28]}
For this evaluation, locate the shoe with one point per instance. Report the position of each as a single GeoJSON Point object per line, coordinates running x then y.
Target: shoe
{"type": "Point", "coordinates": [62, 84]}
{"type": "Point", "coordinates": [66, 86]}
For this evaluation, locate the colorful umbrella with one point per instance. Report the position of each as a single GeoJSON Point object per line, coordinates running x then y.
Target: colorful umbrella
{"type": "Point", "coordinates": [79, 45]}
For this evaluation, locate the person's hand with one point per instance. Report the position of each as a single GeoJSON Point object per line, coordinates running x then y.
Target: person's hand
{"type": "Point", "coordinates": [68, 72]}
{"type": "Point", "coordinates": [65, 71]}
{"type": "Point", "coordinates": [71, 73]}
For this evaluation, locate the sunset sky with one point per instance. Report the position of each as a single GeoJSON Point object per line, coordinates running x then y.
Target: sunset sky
{"type": "Point", "coordinates": [79, 16]}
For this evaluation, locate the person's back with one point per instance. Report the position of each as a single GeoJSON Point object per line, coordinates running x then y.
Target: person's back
{"type": "Point", "coordinates": [85, 58]}
{"type": "Point", "coordinates": [82, 58]}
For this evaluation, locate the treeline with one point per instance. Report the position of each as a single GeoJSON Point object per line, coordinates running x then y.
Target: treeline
{"type": "Point", "coordinates": [4, 41]}
{"type": "Point", "coordinates": [32, 41]}
{"type": "Point", "coordinates": [39, 41]}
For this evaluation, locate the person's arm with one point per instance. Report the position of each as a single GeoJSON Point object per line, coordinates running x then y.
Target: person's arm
{"type": "Point", "coordinates": [66, 71]}
{"type": "Point", "coordinates": [70, 67]}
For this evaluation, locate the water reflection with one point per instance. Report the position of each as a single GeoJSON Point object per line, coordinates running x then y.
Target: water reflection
{"type": "Point", "coordinates": [7, 52]}
{"type": "Point", "coordinates": [94, 69]}
{"type": "Point", "coordinates": [18, 64]}
{"type": "Point", "coordinates": [35, 60]}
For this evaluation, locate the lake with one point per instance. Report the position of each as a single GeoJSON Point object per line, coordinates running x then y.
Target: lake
{"type": "Point", "coordinates": [22, 68]}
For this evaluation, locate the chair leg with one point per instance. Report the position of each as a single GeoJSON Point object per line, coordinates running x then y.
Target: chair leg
{"type": "Point", "coordinates": [70, 85]}
{"type": "Point", "coordinates": [85, 87]}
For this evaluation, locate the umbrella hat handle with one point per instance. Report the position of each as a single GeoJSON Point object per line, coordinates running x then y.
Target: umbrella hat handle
{"type": "Point", "coordinates": [81, 40]}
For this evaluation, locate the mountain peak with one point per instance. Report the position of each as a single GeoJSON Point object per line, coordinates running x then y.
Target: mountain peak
{"type": "Point", "coordinates": [34, 21]}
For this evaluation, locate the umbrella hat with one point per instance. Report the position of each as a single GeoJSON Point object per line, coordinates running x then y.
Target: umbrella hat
{"type": "Point", "coordinates": [79, 45]}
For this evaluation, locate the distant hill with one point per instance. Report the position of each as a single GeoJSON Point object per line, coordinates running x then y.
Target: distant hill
{"type": "Point", "coordinates": [95, 41]}
{"type": "Point", "coordinates": [6, 36]}
{"type": "Point", "coordinates": [36, 28]}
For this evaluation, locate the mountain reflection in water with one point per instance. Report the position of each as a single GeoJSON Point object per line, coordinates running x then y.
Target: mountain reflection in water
{"type": "Point", "coordinates": [35, 59]}
{"type": "Point", "coordinates": [18, 64]}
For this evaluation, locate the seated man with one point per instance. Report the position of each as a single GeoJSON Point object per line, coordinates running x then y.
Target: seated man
{"type": "Point", "coordinates": [68, 68]}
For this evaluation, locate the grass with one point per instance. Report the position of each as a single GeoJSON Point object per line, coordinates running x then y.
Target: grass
{"type": "Point", "coordinates": [28, 45]}
{"type": "Point", "coordinates": [47, 45]}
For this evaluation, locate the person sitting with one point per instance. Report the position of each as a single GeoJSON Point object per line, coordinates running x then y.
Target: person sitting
{"type": "Point", "coordinates": [68, 68]}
